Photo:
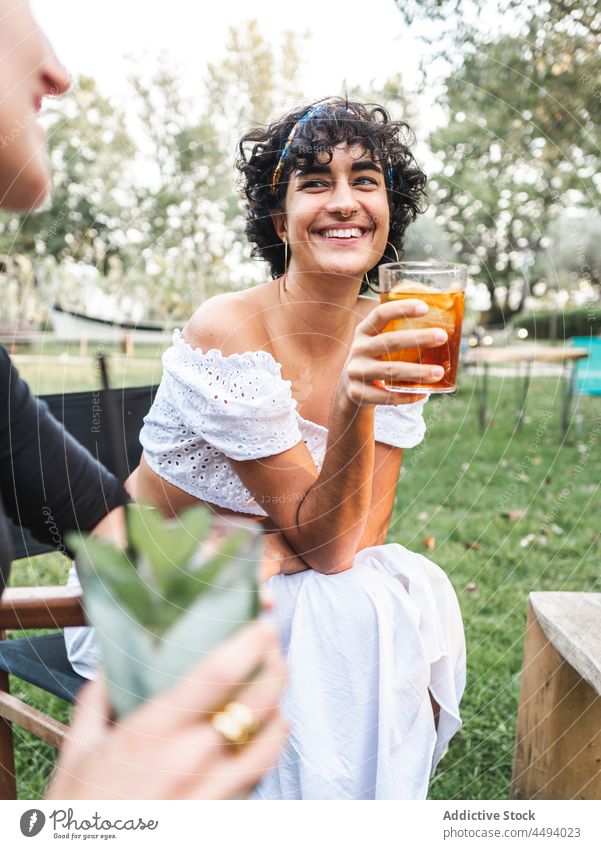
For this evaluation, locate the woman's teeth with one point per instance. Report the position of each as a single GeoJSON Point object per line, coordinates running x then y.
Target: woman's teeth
{"type": "Point", "coordinates": [355, 233]}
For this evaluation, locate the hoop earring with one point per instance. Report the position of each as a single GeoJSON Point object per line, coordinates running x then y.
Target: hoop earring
{"type": "Point", "coordinates": [365, 277]}
{"type": "Point", "coordinates": [369, 285]}
{"type": "Point", "coordinates": [396, 253]}
{"type": "Point", "coordinates": [285, 265]}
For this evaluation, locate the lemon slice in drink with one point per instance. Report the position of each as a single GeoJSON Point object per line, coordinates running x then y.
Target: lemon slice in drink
{"type": "Point", "coordinates": [433, 297]}
{"type": "Point", "coordinates": [413, 287]}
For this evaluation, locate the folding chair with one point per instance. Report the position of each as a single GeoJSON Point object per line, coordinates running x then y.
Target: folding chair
{"type": "Point", "coordinates": [42, 660]}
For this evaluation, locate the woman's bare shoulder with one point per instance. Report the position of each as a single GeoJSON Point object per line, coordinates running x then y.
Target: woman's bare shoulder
{"type": "Point", "coordinates": [231, 322]}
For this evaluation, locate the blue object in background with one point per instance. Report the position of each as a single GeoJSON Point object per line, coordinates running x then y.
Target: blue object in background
{"type": "Point", "coordinates": [587, 377]}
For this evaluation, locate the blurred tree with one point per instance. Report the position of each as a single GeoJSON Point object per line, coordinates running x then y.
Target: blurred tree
{"type": "Point", "coordinates": [504, 177]}
{"type": "Point", "coordinates": [392, 94]}
{"type": "Point", "coordinates": [559, 59]}
{"type": "Point", "coordinates": [182, 243]}
{"type": "Point", "coordinates": [254, 83]}
{"type": "Point", "coordinates": [240, 86]}
{"type": "Point", "coordinates": [520, 143]}
{"type": "Point", "coordinates": [573, 257]}
{"type": "Point", "coordinates": [474, 20]}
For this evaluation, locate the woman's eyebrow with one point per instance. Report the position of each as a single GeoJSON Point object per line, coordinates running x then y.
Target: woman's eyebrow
{"type": "Point", "coordinates": [360, 165]}
{"type": "Point", "coordinates": [366, 165]}
{"type": "Point", "coordinates": [313, 169]}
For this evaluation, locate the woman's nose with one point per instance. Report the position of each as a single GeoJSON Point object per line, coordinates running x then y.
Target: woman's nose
{"type": "Point", "coordinates": [55, 77]}
{"type": "Point", "coordinates": [343, 199]}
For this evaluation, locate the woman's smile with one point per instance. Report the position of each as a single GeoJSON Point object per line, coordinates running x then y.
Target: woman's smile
{"type": "Point", "coordinates": [343, 235]}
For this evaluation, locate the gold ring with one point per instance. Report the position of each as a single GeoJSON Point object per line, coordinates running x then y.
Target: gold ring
{"type": "Point", "coordinates": [236, 723]}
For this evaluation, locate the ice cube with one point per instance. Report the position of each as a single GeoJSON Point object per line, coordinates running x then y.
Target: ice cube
{"type": "Point", "coordinates": [444, 318]}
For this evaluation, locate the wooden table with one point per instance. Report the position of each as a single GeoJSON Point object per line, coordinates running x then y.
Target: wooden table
{"type": "Point", "coordinates": [558, 742]}
{"type": "Point", "coordinates": [565, 355]}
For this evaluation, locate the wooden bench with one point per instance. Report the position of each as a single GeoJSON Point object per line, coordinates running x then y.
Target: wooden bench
{"type": "Point", "coordinates": [558, 742]}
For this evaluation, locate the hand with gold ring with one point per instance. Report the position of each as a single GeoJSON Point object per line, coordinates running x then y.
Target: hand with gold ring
{"type": "Point", "coordinates": [236, 723]}
{"type": "Point", "coordinates": [211, 736]}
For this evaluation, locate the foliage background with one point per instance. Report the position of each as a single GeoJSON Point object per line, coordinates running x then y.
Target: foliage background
{"type": "Point", "coordinates": [145, 221]}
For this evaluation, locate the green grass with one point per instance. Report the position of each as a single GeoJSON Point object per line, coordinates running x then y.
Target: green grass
{"type": "Point", "coordinates": [457, 487]}
{"type": "Point", "coordinates": [465, 484]}
{"type": "Point", "coordinates": [67, 372]}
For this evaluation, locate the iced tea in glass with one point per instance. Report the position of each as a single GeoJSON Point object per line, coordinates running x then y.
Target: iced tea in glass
{"type": "Point", "coordinates": [441, 285]}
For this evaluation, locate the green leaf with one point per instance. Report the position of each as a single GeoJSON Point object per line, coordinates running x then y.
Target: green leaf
{"type": "Point", "coordinates": [113, 569]}
{"type": "Point", "coordinates": [168, 544]}
{"type": "Point", "coordinates": [168, 568]}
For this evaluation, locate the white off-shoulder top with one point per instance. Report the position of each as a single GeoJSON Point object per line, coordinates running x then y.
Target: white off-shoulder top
{"type": "Point", "coordinates": [210, 407]}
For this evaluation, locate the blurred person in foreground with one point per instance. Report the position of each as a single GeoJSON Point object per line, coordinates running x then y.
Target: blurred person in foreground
{"type": "Point", "coordinates": [170, 747]}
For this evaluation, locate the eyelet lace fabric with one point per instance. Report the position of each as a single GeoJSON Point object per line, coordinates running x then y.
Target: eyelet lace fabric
{"type": "Point", "coordinates": [210, 407]}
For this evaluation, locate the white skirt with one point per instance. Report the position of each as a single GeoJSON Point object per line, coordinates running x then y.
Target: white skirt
{"type": "Point", "coordinates": [365, 648]}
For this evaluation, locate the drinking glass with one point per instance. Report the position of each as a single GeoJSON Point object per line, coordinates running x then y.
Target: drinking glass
{"type": "Point", "coordinates": [441, 285]}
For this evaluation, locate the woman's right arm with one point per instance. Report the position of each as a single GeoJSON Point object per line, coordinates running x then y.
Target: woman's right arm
{"type": "Point", "coordinates": [278, 557]}
{"type": "Point", "coordinates": [323, 516]}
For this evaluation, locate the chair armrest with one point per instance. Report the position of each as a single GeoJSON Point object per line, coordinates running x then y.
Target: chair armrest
{"type": "Point", "coordinates": [41, 607]}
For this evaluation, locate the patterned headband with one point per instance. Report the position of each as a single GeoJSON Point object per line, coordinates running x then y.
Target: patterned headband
{"type": "Point", "coordinates": [310, 113]}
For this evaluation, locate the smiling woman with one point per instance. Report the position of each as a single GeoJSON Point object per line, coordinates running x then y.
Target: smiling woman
{"type": "Point", "coordinates": [271, 405]}
{"type": "Point", "coordinates": [303, 145]}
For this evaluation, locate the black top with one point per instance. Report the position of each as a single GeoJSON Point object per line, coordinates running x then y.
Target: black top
{"type": "Point", "coordinates": [48, 482]}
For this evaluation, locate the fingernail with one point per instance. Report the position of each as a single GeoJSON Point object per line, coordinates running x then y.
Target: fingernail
{"type": "Point", "coordinates": [421, 308]}
{"type": "Point", "coordinates": [440, 335]}
{"type": "Point", "coordinates": [437, 371]}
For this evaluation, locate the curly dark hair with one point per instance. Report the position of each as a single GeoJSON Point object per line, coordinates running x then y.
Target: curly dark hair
{"type": "Point", "coordinates": [335, 122]}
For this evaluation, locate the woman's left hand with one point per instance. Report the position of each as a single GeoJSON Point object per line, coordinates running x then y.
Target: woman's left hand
{"type": "Point", "coordinates": [279, 558]}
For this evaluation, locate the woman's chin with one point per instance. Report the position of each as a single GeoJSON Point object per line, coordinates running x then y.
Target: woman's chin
{"type": "Point", "coordinates": [340, 266]}
{"type": "Point", "coordinates": [345, 272]}
{"type": "Point", "coordinates": [352, 264]}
